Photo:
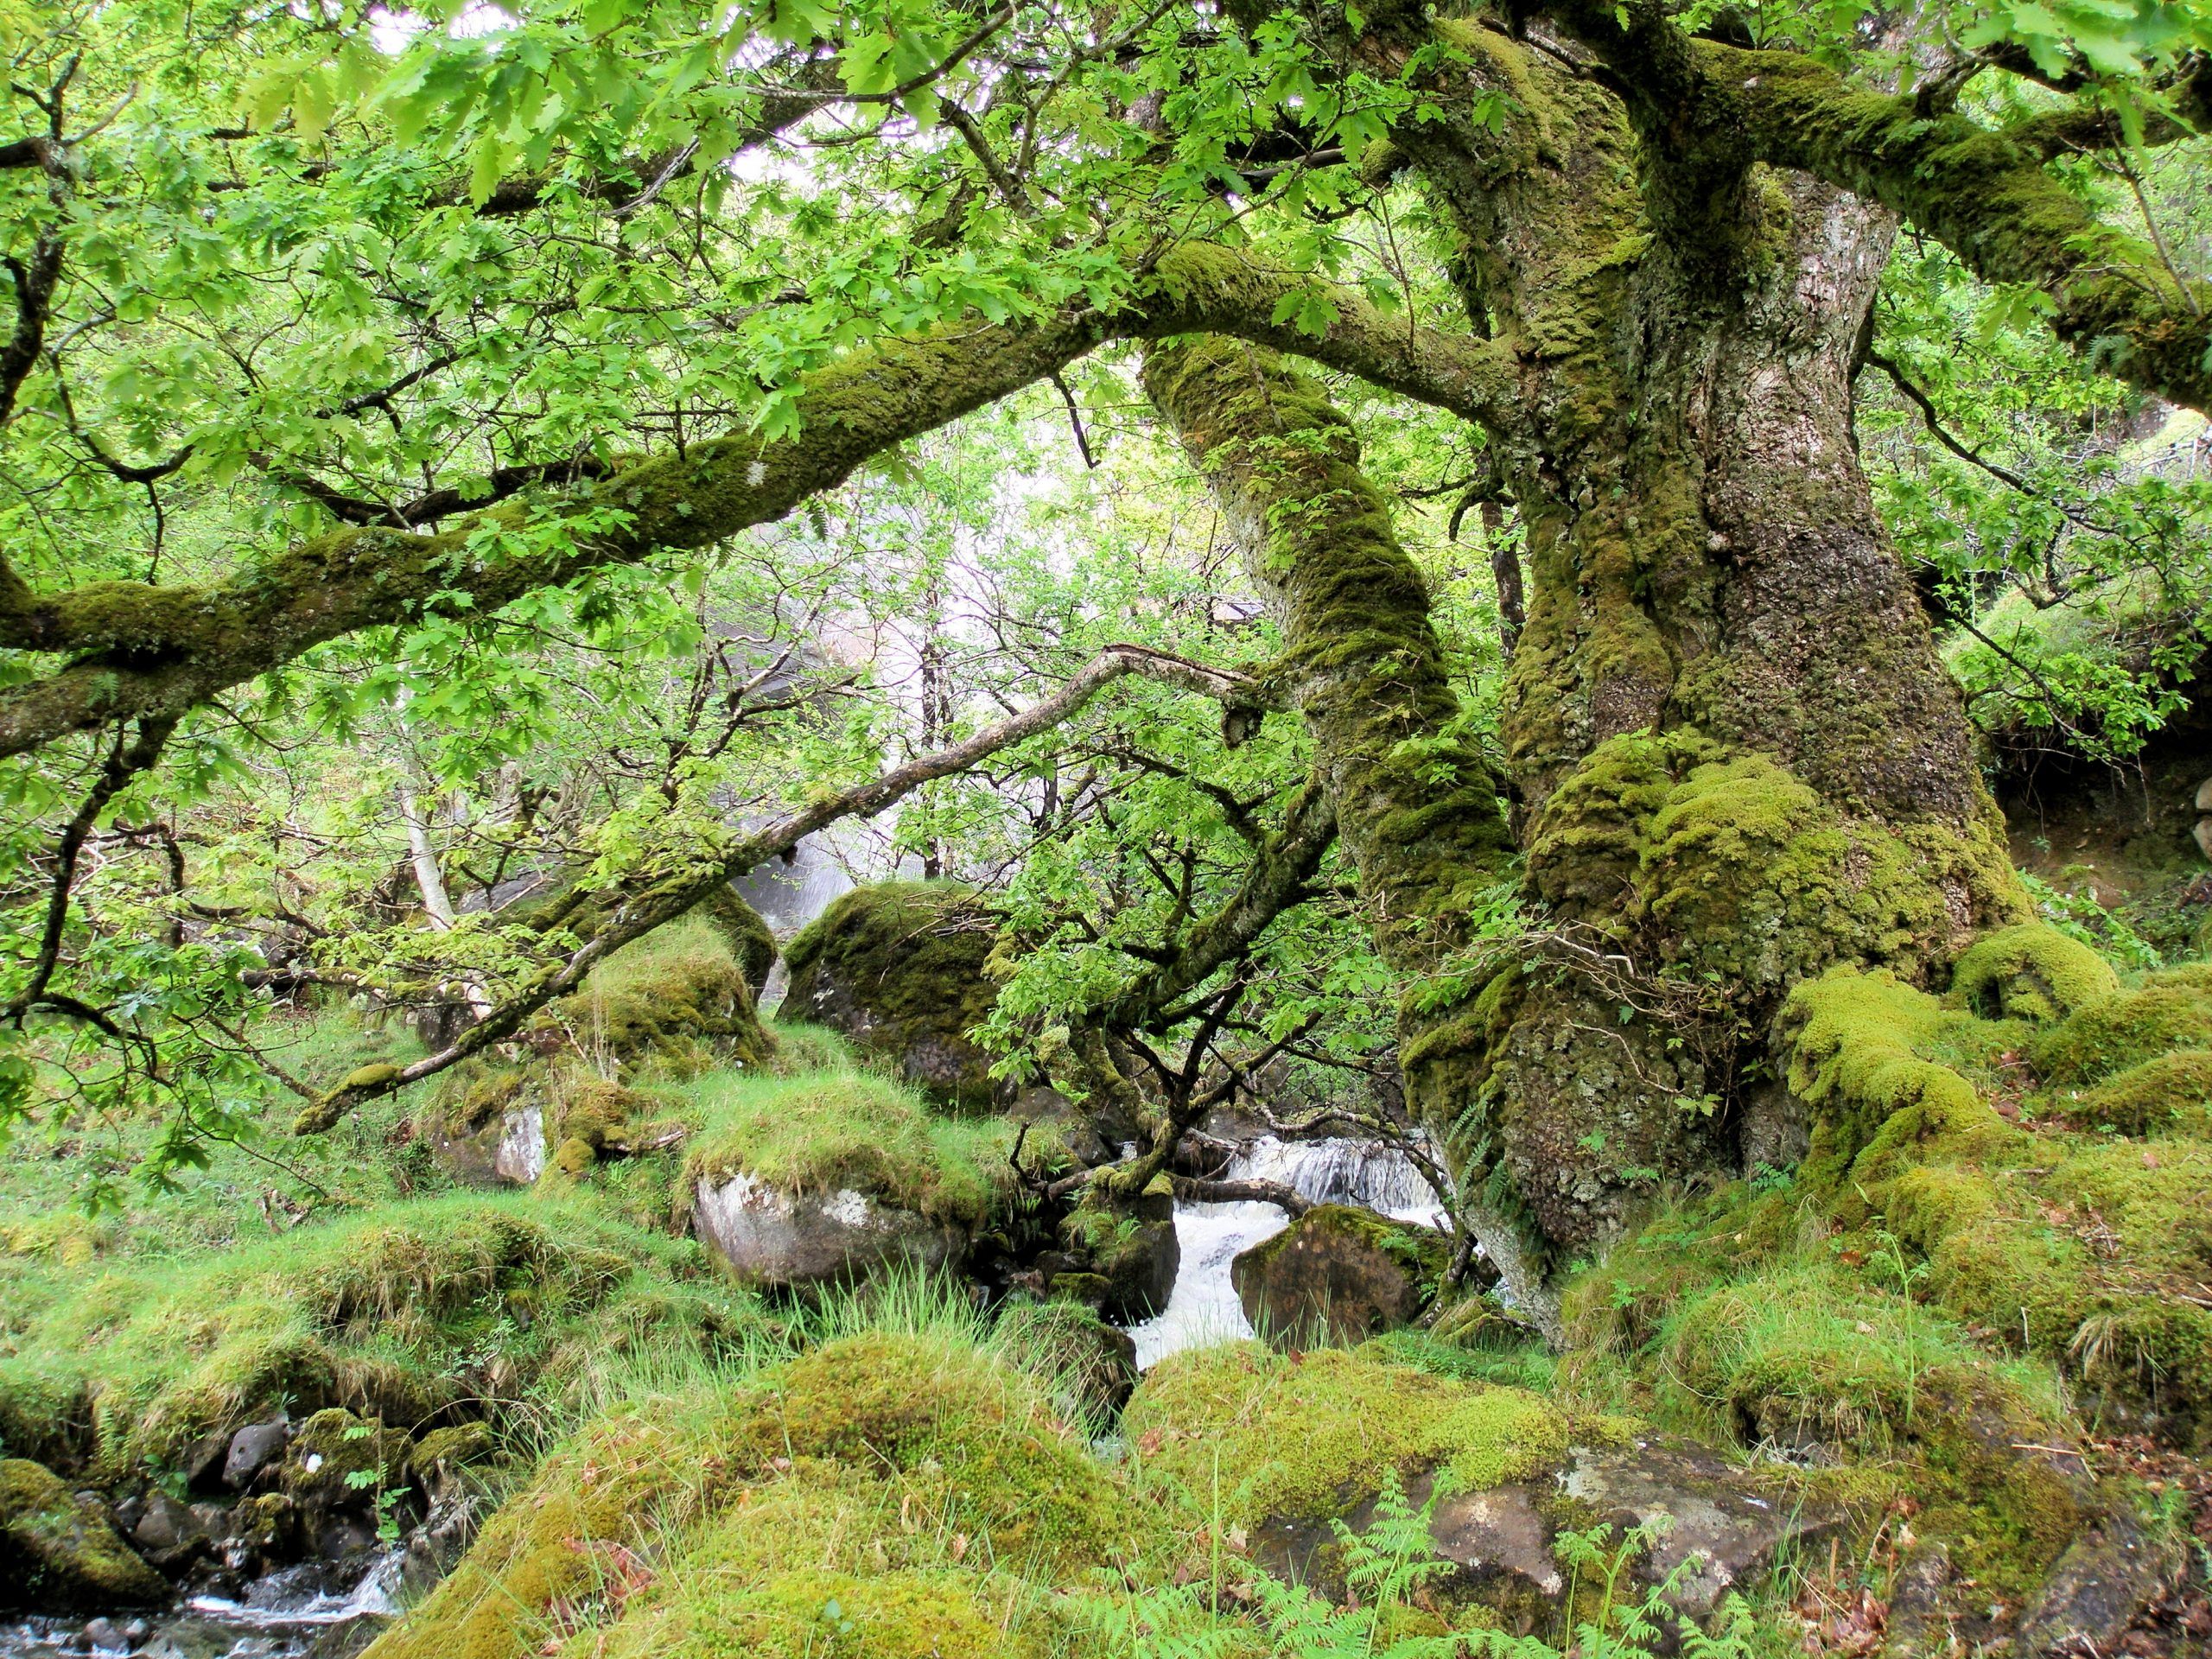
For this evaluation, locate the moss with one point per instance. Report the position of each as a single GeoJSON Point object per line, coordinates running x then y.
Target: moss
{"type": "Point", "coordinates": [2172, 1094]}
{"type": "Point", "coordinates": [678, 997]}
{"type": "Point", "coordinates": [549, 1545]}
{"type": "Point", "coordinates": [384, 1313]}
{"type": "Point", "coordinates": [2124, 1029]}
{"type": "Point", "coordinates": [855, 1130]}
{"type": "Point", "coordinates": [810, 1613]}
{"type": "Point", "coordinates": [2030, 972]}
{"type": "Point", "coordinates": [441, 1450]}
{"type": "Point", "coordinates": [334, 1456]}
{"type": "Point", "coordinates": [902, 969]}
{"type": "Point", "coordinates": [1309, 1437]}
{"type": "Point", "coordinates": [57, 1552]}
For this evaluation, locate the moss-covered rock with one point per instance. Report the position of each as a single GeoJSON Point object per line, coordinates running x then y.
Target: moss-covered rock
{"type": "Point", "coordinates": [1339, 1275]}
{"type": "Point", "coordinates": [900, 968]}
{"type": "Point", "coordinates": [678, 998]}
{"type": "Point", "coordinates": [337, 1458]}
{"type": "Point", "coordinates": [1309, 1438]}
{"type": "Point", "coordinates": [884, 1495]}
{"type": "Point", "coordinates": [1126, 1245]}
{"type": "Point", "coordinates": [58, 1553]}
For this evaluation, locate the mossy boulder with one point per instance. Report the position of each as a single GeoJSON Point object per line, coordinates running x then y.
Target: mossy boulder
{"type": "Point", "coordinates": [885, 1495]}
{"type": "Point", "coordinates": [339, 1460]}
{"type": "Point", "coordinates": [901, 969]}
{"type": "Point", "coordinates": [1120, 1254]}
{"type": "Point", "coordinates": [58, 1553]}
{"type": "Point", "coordinates": [678, 999]}
{"type": "Point", "coordinates": [801, 1183]}
{"type": "Point", "coordinates": [1339, 1275]}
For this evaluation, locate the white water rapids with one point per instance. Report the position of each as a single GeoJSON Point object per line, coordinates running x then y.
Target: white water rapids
{"type": "Point", "coordinates": [1203, 1308]}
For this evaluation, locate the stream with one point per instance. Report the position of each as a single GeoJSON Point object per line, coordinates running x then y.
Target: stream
{"type": "Point", "coordinates": [314, 1611]}
{"type": "Point", "coordinates": [1203, 1308]}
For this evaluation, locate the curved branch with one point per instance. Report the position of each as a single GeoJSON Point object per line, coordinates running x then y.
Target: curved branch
{"type": "Point", "coordinates": [642, 912]}
{"type": "Point", "coordinates": [148, 652]}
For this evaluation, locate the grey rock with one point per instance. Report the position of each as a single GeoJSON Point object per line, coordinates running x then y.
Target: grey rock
{"type": "Point", "coordinates": [765, 1236]}
{"type": "Point", "coordinates": [1718, 1514]}
{"type": "Point", "coordinates": [252, 1449]}
{"type": "Point", "coordinates": [434, 1548]}
{"type": "Point", "coordinates": [1337, 1274]}
{"type": "Point", "coordinates": [1918, 1623]}
{"type": "Point", "coordinates": [106, 1635]}
{"type": "Point", "coordinates": [167, 1527]}
{"type": "Point", "coordinates": [2108, 1575]}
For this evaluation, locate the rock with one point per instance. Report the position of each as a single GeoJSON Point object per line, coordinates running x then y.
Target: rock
{"type": "Point", "coordinates": [1130, 1244]}
{"type": "Point", "coordinates": [1339, 1275]}
{"type": "Point", "coordinates": [57, 1551]}
{"type": "Point", "coordinates": [2108, 1575]}
{"type": "Point", "coordinates": [787, 1241]}
{"type": "Point", "coordinates": [202, 1461]}
{"type": "Point", "coordinates": [171, 1535]}
{"type": "Point", "coordinates": [436, 1461]}
{"type": "Point", "coordinates": [1093, 1364]}
{"type": "Point", "coordinates": [899, 968]}
{"type": "Point", "coordinates": [433, 1548]}
{"type": "Point", "coordinates": [1720, 1514]}
{"type": "Point", "coordinates": [337, 1460]}
{"type": "Point", "coordinates": [106, 1635]}
{"type": "Point", "coordinates": [1916, 1623]}
{"type": "Point", "coordinates": [252, 1449]}
{"type": "Point", "coordinates": [136, 1632]}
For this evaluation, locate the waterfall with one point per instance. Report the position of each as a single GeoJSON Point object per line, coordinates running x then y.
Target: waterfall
{"type": "Point", "coordinates": [1372, 1174]}
{"type": "Point", "coordinates": [1203, 1309]}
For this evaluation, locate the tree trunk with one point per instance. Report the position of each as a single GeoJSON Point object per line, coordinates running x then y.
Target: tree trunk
{"type": "Point", "coordinates": [1739, 756]}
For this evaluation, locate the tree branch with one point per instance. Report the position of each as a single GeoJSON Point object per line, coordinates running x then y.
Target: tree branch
{"type": "Point", "coordinates": [642, 912]}
{"type": "Point", "coordinates": [143, 650]}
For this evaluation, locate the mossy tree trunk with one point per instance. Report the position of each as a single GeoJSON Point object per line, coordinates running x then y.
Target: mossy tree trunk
{"type": "Point", "coordinates": [1736, 755]}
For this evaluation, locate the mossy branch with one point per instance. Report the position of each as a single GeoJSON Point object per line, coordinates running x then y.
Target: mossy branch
{"type": "Point", "coordinates": [664, 901]}
{"type": "Point", "coordinates": [1983, 192]}
{"type": "Point", "coordinates": [141, 651]}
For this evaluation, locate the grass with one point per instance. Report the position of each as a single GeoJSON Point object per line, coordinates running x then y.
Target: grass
{"type": "Point", "coordinates": [849, 1129]}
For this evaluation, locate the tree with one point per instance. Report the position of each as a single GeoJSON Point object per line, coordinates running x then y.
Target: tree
{"type": "Point", "coordinates": [1644, 248]}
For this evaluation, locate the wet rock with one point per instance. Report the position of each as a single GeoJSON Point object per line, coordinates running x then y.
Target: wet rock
{"type": "Point", "coordinates": [106, 1635]}
{"type": "Point", "coordinates": [435, 1548]}
{"type": "Point", "coordinates": [1723, 1524]}
{"type": "Point", "coordinates": [202, 1461]}
{"type": "Point", "coordinates": [770, 1237]}
{"type": "Point", "coordinates": [1339, 1275]}
{"type": "Point", "coordinates": [58, 1551]}
{"type": "Point", "coordinates": [171, 1535]}
{"type": "Point", "coordinates": [898, 968]}
{"type": "Point", "coordinates": [1129, 1244]}
{"type": "Point", "coordinates": [2107, 1576]}
{"type": "Point", "coordinates": [252, 1449]}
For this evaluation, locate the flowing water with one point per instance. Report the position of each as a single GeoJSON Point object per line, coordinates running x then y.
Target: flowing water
{"type": "Point", "coordinates": [1203, 1308]}
{"type": "Point", "coordinates": [297, 1612]}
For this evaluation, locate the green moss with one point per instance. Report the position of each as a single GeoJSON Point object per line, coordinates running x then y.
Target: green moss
{"type": "Point", "coordinates": [852, 1130]}
{"type": "Point", "coordinates": [902, 969]}
{"type": "Point", "coordinates": [56, 1552]}
{"type": "Point", "coordinates": [678, 997]}
{"type": "Point", "coordinates": [552, 1544]}
{"type": "Point", "coordinates": [382, 1314]}
{"type": "Point", "coordinates": [2124, 1029]}
{"type": "Point", "coordinates": [2030, 972]}
{"type": "Point", "coordinates": [1309, 1437]}
{"type": "Point", "coordinates": [810, 1613]}
{"type": "Point", "coordinates": [2172, 1094]}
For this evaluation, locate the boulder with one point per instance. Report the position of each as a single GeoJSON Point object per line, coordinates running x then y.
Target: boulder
{"type": "Point", "coordinates": [1092, 1364]}
{"type": "Point", "coordinates": [337, 1460]}
{"type": "Point", "coordinates": [899, 968]}
{"type": "Point", "coordinates": [1121, 1255]}
{"type": "Point", "coordinates": [2108, 1574]}
{"type": "Point", "coordinates": [769, 1236]}
{"type": "Point", "coordinates": [1339, 1275]}
{"type": "Point", "coordinates": [58, 1551]}
{"type": "Point", "coordinates": [252, 1449]}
